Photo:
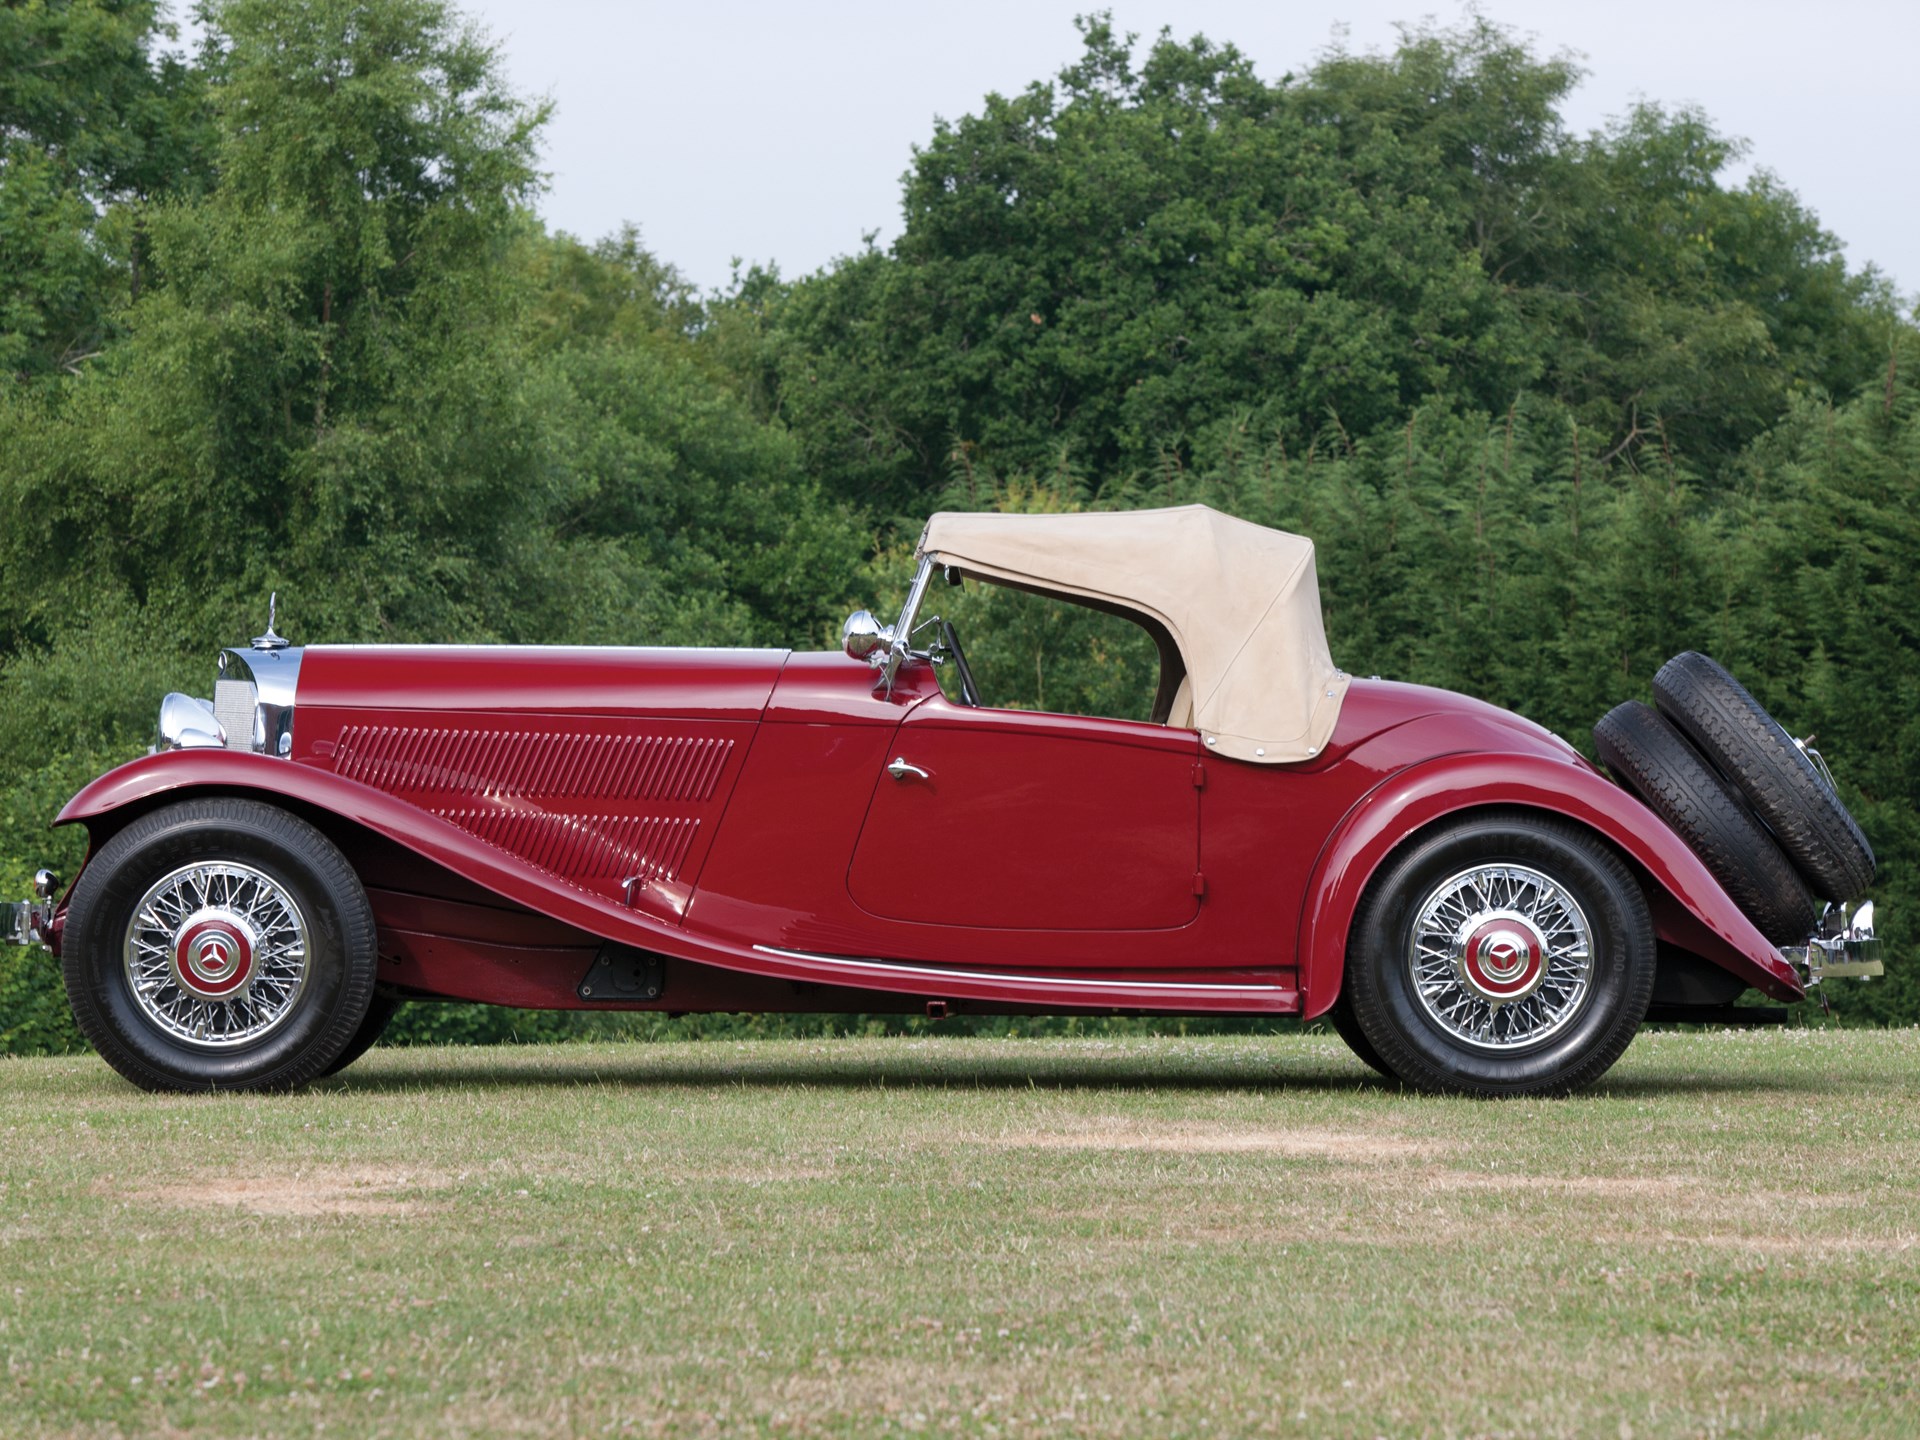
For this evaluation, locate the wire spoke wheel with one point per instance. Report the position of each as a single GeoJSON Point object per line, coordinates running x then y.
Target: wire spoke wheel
{"type": "Point", "coordinates": [219, 943]}
{"type": "Point", "coordinates": [1505, 952]}
{"type": "Point", "coordinates": [217, 954]}
{"type": "Point", "coordinates": [1501, 956]}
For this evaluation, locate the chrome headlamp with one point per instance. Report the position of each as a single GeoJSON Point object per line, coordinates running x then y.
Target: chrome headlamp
{"type": "Point", "coordinates": [252, 704]}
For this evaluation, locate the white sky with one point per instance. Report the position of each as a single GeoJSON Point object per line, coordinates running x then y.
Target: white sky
{"type": "Point", "coordinates": [779, 131]}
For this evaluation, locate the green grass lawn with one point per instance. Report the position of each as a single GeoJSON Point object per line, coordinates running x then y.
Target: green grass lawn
{"type": "Point", "coordinates": [1200, 1237]}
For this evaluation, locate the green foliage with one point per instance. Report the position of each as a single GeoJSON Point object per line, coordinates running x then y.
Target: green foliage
{"type": "Point", "coordinates": [1124, 264]}
{"type": "Point", "coordinates": [357, 372]}
{"type": "Point", "coordinates": [89, 119]}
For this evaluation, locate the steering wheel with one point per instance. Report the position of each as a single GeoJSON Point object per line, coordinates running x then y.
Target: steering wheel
{"type": "Point", "coordinates": [969, 692]}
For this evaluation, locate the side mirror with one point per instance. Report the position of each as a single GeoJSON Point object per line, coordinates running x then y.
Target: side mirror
{"type": "Point", "coordinates": [862, 637]}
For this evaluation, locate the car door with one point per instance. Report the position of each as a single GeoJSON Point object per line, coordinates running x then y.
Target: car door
{"type": "Point", "coordinates": [1001, 820]}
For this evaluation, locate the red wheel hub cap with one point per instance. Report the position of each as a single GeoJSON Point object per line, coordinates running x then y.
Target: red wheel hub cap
{"type": "Point", "coordinates": [1502, 958]}
{"type": "Point", "coordinates": [213, 956]}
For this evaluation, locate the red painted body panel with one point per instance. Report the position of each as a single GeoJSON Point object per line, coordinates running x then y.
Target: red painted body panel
{"type": "Point", "coordinates": [829, 689]}
{"type": "Point", "coordinates": [1051, 862]}
{"type": "Point", "coordinates": [540, 679]}
{"type": "Point", "coordinates": [183, 772]}
{"type": "Point", "coordinates": [623, 808]}
{"type": "Point", "coordinates": [1033, 822]}
{"type": "Point", "coordinates": [607, 770]}
{"type": "Point", "coordinates": [779, 872]}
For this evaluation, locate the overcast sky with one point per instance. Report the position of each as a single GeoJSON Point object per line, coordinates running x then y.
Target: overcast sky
{"type": "Point", "coordinates": [779, 131]}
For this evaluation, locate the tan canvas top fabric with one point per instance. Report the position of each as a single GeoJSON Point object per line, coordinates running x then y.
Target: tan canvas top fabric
{"type": "Point", "coordinates": [1241, 602]}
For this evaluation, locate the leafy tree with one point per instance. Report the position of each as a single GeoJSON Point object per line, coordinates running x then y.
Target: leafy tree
{"type": "Point", "coordinates": [358, 373]}
{"type": "Point", "coordinates": [92, 121]}
{"type": "Point", "coordinates": [1552, 406]}
{"type": "Point", "coordinates": [1122, 264]}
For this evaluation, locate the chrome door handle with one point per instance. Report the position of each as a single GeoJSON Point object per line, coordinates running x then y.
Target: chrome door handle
{"type": "Point", "coordinates": [900, 769]}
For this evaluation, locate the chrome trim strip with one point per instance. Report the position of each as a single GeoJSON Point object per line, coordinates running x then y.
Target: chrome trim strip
{"type": "Point", "coordinates": [890, 967]}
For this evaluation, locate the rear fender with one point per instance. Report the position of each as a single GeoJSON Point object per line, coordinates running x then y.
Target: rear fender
{"type": "Point", "coordinates": [1690, 909]}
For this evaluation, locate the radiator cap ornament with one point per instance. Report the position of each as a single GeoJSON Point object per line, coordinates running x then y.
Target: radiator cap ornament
{"type": "Point", "coordinates": [271, 641]}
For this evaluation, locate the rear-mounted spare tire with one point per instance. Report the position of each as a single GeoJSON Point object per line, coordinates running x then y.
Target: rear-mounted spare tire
{"type": "Point", "coordinates": [1655, 761]}
{"type": "Point", "coordinates": [1749, 747]}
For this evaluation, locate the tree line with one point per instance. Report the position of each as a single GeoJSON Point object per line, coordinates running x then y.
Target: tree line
{"type": "Point", "coordinates": [279, 314]}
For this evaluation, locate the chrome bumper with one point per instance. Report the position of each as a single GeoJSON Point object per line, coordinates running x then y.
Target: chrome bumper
{"type": "Point", "coordinates": [1842, 947]}
{"type": "Point", "coordinates": [30, 922]}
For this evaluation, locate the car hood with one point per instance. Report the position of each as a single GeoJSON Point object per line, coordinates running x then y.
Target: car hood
{"type": "Point", "coordinates": [540, 679]}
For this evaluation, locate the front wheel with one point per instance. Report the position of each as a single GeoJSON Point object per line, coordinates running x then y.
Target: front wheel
{"type": "Point", "coordinates": [380, 1013]}
{"type": "Point", "coordinates": [1508, 953]}
{"type": "Point", "coordinates": [219, 945]}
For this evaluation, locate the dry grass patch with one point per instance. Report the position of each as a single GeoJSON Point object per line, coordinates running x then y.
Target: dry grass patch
{"type": "Point", "coordinates": [1605, 1187]}
{"type": "Point", "coordinates": [307, 1194]}
{"type": "Point", "coordinates": [1214, 1138]}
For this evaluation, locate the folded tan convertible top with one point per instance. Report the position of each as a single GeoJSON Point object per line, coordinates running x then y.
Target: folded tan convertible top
{"type": "Point", "coordinates": [1241, 602]}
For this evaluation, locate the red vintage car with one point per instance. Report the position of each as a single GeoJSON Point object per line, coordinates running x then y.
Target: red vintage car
{"type": "Point", "coordinates": [1474, 906]}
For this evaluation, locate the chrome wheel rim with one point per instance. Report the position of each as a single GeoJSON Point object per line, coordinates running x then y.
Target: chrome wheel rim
{"type": "Point", "coordinates": [1502, 957]}
{"type": "Point", "coordinates": [216, 955]}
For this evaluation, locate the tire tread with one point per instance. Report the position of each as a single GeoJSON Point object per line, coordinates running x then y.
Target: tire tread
{"type": "Point", "coordinates": [1753, 751]}
{"type": "Point", "coordinates": [1535, 835]}
{"type": "Point", "coordinates": [1657, 763]}
{"type": "Point", "coordinates": [1341, 1018]}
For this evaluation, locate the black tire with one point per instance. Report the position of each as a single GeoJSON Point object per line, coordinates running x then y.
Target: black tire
{"type": "Point", "coordinates": [1591, 1026]}
{"type": "Point", "coordinates": [1657, 763]}
{"type": "Point", "coordinates": [380, 1012]}
{"type": "Point", "coordinates": [1340, 1017]}
{"type": "Point", "coordinates": [1751, 749]}
{"type": "Point", "coordinates": [307, 879]}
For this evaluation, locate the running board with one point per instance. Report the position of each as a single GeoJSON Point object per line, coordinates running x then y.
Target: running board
{"type": "Point", "coordinates": [1088, 992]}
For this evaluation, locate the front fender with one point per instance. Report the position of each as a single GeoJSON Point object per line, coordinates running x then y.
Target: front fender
{"type": "Point", "coordinates": [181, 774]}
{"type": "Point", "coordinates": [1690, 908]}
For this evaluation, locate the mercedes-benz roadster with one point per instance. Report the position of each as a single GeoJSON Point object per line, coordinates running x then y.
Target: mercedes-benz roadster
{"type": "Point", "coordinates": [1475, 907]}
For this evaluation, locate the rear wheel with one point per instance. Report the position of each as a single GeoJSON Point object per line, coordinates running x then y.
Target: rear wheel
{"type": "Point", "coordinates": [219, 945]}
{"type": "Point", "coordinates": [1508, 953]}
